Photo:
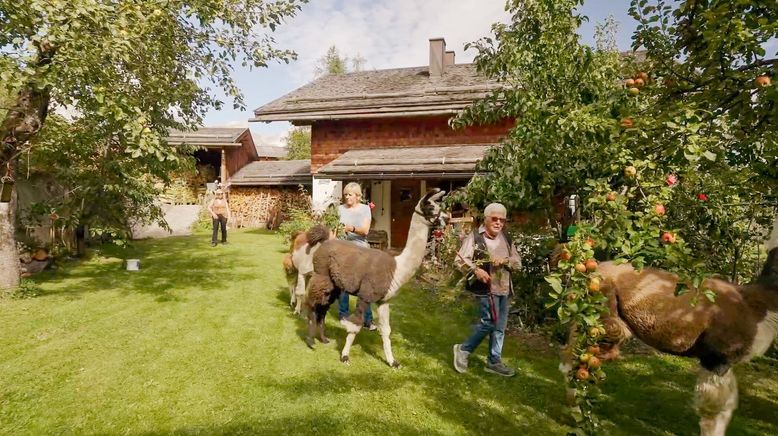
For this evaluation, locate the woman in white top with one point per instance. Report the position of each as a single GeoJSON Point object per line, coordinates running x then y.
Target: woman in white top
{"type": "Point", "coordinates": [355, 217]}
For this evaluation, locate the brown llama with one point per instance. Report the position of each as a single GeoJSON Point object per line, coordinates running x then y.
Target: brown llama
{"type": "Point", "coordinates": [740, 324]}
{"type": "Point", "coordinates": [298, 263]}
{"type": "Point", "coordinates": [374, 276]}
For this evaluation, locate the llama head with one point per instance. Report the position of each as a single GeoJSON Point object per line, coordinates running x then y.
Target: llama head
{"type": "Point", "coordinates": [431, 209]}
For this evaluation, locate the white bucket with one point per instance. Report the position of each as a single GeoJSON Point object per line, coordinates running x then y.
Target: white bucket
{"type": "Point", "coordinates": [133, 264]}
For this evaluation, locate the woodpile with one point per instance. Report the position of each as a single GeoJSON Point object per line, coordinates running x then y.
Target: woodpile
{"type": "Point", "coordinates": [264, 206]}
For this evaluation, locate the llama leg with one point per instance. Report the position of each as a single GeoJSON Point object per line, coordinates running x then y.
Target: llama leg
{"type": "Point", "coordinates": [320, 317]}
{"type": "Point", "coordinates": [385, 330]}
{"type": "Point", "coordinates": [715, 400]}
{"type": "Point", "coordinates": [320, 288]}
{"type": "Point", "coordinates": [353, 325]}
{"type": "Point", "coordinates": [311, 327]}
{"type": "Point", "coordinates": [299, 292]}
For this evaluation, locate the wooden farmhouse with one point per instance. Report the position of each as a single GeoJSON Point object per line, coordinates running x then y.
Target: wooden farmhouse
{"type": "Point", "coordinates": [389, 130]}
{"type": "Point", "coordinates": [259, 183]}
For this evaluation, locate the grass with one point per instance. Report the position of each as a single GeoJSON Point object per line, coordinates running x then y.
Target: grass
{"type": "Point", "coordinates": [201, 341]}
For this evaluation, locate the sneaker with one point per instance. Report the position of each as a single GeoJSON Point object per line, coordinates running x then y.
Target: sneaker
{"type": "Point", "coordinates": [499, 368]}
{"type": "Point", "coordinates": [213, 244]}
{"type": "Point", "coordinates": [371, 327]}
{"type": "Point", "coordinates": [460, 359]}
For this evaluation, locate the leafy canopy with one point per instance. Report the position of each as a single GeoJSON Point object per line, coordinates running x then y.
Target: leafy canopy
{"type": "Point", "coordinates": [673, 148]}
{"type": "Point", "coordinates": [125, 72]}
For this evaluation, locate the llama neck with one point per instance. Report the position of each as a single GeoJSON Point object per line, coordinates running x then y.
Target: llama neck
{"type": "Point", "coordinates": [410, 259]}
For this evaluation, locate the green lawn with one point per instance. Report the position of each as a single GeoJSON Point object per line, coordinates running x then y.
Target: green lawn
{"type": "Point", "coordinates": [201, 341]}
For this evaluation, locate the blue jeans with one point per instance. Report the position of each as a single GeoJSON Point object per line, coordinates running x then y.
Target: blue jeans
{"type": "Point", "coordinates": [343, 309]}
{"type": "Point", "coordinates": [486, 326]}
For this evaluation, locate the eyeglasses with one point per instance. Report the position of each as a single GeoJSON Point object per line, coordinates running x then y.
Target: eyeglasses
{"type": "Point", "coordinates": [496, 219]}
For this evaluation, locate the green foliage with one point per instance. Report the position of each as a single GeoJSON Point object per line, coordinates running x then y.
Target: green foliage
{"type": "Point", "coordinates": [26, 289]}
{"type": "Point", "coordinates": [332, 63]}
{"type": "Point", "coordinates": [300, 218]}
{"type": "Point", "coordinates": [298, 143]}
{"type": "Point", "coordinates": [592, 122]}
{"type": "Point", "coordinates": [126, 72]}
{"type": "Point", "coordinates": [530, 289]}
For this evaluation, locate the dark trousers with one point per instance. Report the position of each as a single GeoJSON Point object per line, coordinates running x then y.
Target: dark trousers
{"type": "Point", "coordinates": [219, 221]}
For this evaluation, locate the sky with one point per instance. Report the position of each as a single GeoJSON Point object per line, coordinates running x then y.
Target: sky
{"type": "Point", "coordinates": [386, 34]}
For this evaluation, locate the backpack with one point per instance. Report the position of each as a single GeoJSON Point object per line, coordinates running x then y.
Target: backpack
{"type": "Point", "coordinates": [481, 256]}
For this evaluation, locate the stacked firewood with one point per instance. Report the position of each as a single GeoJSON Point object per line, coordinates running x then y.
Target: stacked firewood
{"type": "Point", "coordinates": [263, 206]}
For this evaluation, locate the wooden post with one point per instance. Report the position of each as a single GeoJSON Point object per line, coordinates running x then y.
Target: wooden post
{"type": "Point", "coordinates": [223, 172]}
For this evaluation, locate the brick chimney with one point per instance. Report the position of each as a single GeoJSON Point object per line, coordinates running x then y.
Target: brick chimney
{"type": "Point", "coordinates": [448, 58]}
{"type": "Point", "coordinates": [437, 53]}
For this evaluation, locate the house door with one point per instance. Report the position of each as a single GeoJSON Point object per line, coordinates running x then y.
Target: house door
{"type": "Point", "coordinates": [405, 195]}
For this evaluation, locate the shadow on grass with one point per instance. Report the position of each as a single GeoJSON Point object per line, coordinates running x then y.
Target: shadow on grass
{"type": "Point", "coordinates": [476, 401]}
{"type": "Point", "coordinates": [167, 270]}
{"type": "Point", "coordinates": [342, 421]}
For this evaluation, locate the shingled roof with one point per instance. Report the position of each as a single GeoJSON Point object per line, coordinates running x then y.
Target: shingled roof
{"type": "Point", "coordinates": [209, 136]}
{"type": "Point", "coordinates": [380, 93]}
{"type": "Point", "coordinates": [271, 151]}
{"type": "Point", "coordinates": [455, 161]}
{"type": "Point", "coordinates": [282, 172]}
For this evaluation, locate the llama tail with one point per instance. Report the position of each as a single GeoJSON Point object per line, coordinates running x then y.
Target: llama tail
{"type": "Point", "coordinates": [769, 274]}
{"type": "Point", "coordinates": [288, 264]}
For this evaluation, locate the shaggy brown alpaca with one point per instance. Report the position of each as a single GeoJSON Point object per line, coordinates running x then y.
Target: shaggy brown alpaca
{"type": "Point", "coordinates": [741, 324]}
{"type": "Point", "coordinates": [298, 264]}
{"type": "Point", "coordinates": [372, 275]}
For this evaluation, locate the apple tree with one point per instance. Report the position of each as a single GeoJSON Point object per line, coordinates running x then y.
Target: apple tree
{"type": "Point", "coordinates": [672, 147]}
{"type": "Point", "coordinates": [130, 69]}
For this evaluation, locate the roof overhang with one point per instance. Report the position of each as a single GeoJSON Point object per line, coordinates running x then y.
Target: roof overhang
{"type": "Point", "coordinates": [274, 173]}
{"type": "Point", "coordinates": [273, 181]}
{"type": "Point", "coordinates": [446, 162]}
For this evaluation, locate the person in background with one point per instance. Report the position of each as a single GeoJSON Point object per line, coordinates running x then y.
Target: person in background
{"type": "Point", "coordinates": [220, 212]}
{"type": "Point", "coordinates": [488, 257]}
{"type": "Point", "coordinates": [355, 218]}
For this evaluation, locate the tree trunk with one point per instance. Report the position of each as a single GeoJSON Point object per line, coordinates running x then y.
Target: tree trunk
{"type": "Point", "coordinates": [23, 121]}
{"type": "Point", "coordinates": [9, 257]}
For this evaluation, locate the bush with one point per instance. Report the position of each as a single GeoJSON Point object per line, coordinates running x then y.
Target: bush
{"type": "Point", "coordinates": [302, 218]}
{"type": "Point", "coordinates": [530, 289]}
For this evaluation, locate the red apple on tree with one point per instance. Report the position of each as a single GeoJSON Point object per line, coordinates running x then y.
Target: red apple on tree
{"type": "Point", "coordinates": [659, 209]}
{"type": "Point", "coordinates": [611, 196]}
{"type": "Point", "coordinates": [763, 81]}
{"type": "Point", "coordinates": [581, 268]}
{"type": "Point", "coordinates": [582, 374]}
{"type": "Point", "coordinates": [627, 123]}
{"type": "Point", "coordinates": [630, 171]}
{"type": "Point", "coordinates": [629, 83]}
{"type": "Point", "coordinates": [594, 284]}
{"type": "Point", "coordinates": [668, 238]}
{"type": "Point", "coordinates": [591, 265]}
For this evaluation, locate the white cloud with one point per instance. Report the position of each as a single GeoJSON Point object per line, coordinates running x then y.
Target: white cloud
{"type": "Point", "coordinates": [388, 33]}
{"type": "Point", "coordinates": [235, 123]}
{"type": "Point", "coordinates": [266, 137]}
